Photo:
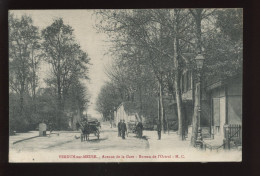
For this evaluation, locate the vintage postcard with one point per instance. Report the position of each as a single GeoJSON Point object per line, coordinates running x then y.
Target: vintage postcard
{"type": "Point", "coordinates": [125, 85]}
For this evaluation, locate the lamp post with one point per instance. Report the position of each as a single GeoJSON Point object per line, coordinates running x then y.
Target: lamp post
{"type": "Point", "coordinates": [199, 63]}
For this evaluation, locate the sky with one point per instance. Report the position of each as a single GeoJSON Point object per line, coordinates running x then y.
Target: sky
{"type": "Point", "coordinates": [92, 42]}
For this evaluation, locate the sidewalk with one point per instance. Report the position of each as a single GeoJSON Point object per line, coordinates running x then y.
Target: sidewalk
{"type": "Point", "coordinates": [169, 141]}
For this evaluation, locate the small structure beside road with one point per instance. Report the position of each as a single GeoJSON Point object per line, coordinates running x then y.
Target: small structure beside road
{"type": "Point", "coordinates": [42, 129]}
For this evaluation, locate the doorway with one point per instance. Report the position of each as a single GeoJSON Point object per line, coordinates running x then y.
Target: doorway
{"type": "Point", "coordinates": [222, 111]}
{"type": "Point", "coordinates": [219, 115]}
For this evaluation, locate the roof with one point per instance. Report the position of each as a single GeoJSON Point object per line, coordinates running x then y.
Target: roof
{"type": "Point", "coordinates": [220, 82]}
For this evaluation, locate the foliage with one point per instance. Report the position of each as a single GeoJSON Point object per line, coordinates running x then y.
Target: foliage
{"type": "Point", "coordinates": [29, 103]}
{"type": "Point", "coordinates": [154, 46]}
{"type": "Point", "coordinates": [108, 99]}
{"type": "Point", "coordinates": [23, 66]}
{"type": "Point", "coordinates": [68, 62]}
{"type": "Point", "coordinates": [224, 46]}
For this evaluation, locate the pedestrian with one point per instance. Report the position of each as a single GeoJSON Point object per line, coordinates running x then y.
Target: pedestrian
{"type": "Point", "coordinates": [77, 126]}
{"type": "Point", "coordinates": [159, 129]}
{"type": "Point", "coordinates": [123, 129]}
{"type": "Point", "coordinates": [139, 128]}
{"type": "Point", "coordinates": [119, 128]}
{"type": "Point", "coordinates": [99, 125]}
{"type": "Point", "coordinates": [50, 127]}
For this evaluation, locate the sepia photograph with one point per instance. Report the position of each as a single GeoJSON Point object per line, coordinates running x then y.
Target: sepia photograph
{"type": "Point", "coordinates": [125, 85]}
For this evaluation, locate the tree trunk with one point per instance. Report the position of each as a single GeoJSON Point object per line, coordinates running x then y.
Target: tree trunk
{"type": "Point", "coordinates": [177, 76]}
{"type": "Point", "coordinates": [162, 117]}
{"type": "Point", "coordinates": [59, 102]}
{"type": "Point", "coordinates": [166, 123]}
{"type": "Point", "coordinates": [21, 103]}
{"type": "Point", "coordinates": [159, 110]}
{"type": "Point", "coordinates": [141, 102]}
{"type": "Point", "coordinates": [195, 121]}
{"type": "Point", "coordinates": [198, 29]}
{"type": "Point", "coordinates": [33, 81]}
{"type": "Point", "coordinates": [179, 108]}
{"type": "Point", "coordinates": [22, 99]}
{"type": "Point", "coordinates": [196, 113]}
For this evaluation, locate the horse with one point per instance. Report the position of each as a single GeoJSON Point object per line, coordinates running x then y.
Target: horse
{"type": "Point", "coordinates": [85, 131]}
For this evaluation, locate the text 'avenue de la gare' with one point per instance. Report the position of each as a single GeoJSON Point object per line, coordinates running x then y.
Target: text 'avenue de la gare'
{"type": "Point", "coordinates": [121, 156]}
{"type": "Point", "coordinates": [143, 156]}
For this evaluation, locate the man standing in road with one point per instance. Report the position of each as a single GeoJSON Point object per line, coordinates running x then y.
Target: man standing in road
{"type": "Point", "coordinates": [119, 128]}
{"type": "Point", "coordinates": [139, 128]}
{"type": "Point", "coordinates": [123, 129]}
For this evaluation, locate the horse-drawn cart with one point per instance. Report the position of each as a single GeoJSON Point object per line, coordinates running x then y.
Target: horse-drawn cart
{"type": "Point", "coordinates": [131, 125]}
{"type": "Point", "coordinates": [136, 128]}
{"type": "Point", "coordinates": [89, 127]}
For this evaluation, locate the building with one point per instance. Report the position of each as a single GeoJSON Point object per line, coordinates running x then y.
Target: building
{"type": "Point", "coordinates": [221, 106]}
{"type": "Point", "coordinates": [225, 99]}
{"type": "Point", "coordinates": [126, 111]}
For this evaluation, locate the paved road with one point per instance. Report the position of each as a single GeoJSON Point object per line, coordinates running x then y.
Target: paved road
{"type": "Point", "coordinates": [67, 141]}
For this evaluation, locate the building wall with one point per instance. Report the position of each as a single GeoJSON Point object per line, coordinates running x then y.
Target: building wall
{"type": "Point", "coordinates": [234, 103]}
{"type": "Point", "coordinates": [234, 110]}
{"type": "Point", "coordinates": [226, 103]}
{"type": "Point", "coordinates": [218, 110]}
{"type": "Point", "coordinates": [120, 114]}
{"type": "Point", "coordinates": [205, 120]}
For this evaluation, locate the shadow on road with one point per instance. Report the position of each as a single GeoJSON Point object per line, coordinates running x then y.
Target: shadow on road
{"type": "Point", "coordinates": [143, 137]}
{"type": "Point", "coordinates": [96, 140]}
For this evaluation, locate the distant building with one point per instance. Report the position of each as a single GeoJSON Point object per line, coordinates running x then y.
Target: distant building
{"type": "Point", "coordinates": [126, 111]}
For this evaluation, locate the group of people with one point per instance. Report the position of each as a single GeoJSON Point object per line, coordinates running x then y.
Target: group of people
{"type": "Point", "coordinates": [122, 130]}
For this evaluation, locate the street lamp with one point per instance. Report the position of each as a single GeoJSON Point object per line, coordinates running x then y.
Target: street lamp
{"type": "Point", "coordinates": [199, 63]}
